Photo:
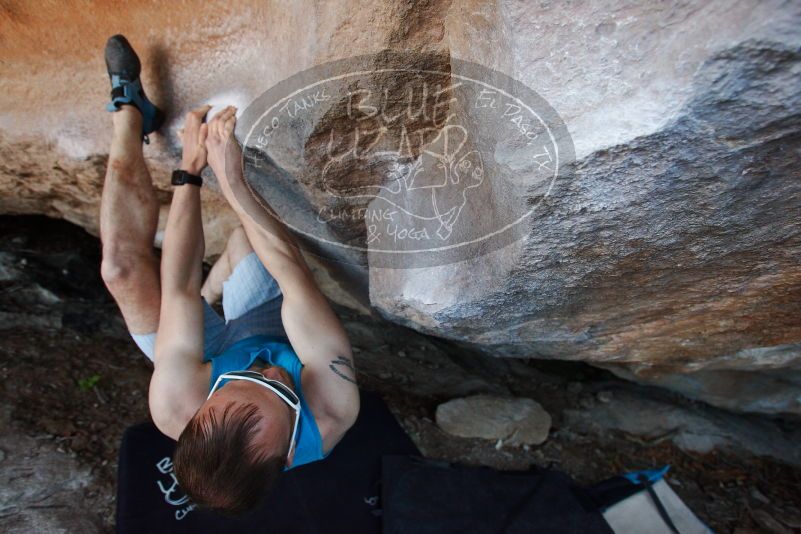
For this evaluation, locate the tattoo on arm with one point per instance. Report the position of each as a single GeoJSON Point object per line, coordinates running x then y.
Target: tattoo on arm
{"type": "Point", "coordinates": [337, 367]}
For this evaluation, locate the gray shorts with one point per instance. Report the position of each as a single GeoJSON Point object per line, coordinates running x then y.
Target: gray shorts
{"type": "Point", "coordinates": [251, 305]}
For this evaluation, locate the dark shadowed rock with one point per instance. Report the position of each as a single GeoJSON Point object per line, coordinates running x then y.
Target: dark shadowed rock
{"type": "Point", "coordinates": [699, 428]}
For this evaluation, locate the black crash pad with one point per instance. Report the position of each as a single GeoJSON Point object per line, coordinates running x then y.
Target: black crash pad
{"type": "Point", "coordinates": [338, 494]}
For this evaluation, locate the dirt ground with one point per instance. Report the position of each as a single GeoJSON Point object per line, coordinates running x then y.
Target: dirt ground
{"type": "Point", "coordinates": [72, 380]}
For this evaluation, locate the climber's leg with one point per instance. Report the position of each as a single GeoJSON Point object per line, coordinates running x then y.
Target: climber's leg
{"type": "Point", "coordinates": [129, 212]}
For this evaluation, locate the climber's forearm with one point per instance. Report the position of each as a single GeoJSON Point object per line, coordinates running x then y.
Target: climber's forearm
{"type": "Point", "coordinates": [183, 247]}
{"type": "Point", "coordinates": [269, 237]}
{"type": "Point", "coordinates": [259, 220]}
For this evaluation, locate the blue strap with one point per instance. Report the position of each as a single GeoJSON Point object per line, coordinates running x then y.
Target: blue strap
{"type": "Point", "coordinates": [652, 475]}
{"type": "Point", "coordinates": [124, 91]}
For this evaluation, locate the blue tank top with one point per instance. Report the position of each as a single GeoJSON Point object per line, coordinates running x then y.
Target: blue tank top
{"type": "Point", "coordinates": [242, 354]}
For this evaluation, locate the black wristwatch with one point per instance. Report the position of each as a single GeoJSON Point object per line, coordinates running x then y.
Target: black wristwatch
{"type": "Point", "coordinates": [180, 177]}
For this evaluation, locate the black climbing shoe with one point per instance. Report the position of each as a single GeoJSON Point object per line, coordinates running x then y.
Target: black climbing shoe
{"type": "Point", "coordinates": [124, 67]}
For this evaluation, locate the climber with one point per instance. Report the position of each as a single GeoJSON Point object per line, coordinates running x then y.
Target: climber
{"type": "Point", "coordinates": [272, 385]}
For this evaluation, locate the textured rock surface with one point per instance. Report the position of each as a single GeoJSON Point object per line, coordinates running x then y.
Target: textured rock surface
{"type": "Point", "coordinates": [512, 420]}
{"type": "Point", "coordinates": [669, 256]}
{"type": "Point", "coordinates": [695, 428]}
{"type": "Point", "coordinates": [41, 488]}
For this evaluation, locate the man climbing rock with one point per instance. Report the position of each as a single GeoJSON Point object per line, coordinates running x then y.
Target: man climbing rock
{"type": "Point", "coordinates": [272, 384]}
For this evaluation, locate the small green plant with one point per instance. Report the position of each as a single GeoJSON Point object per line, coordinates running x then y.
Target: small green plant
{"type": "Point", "coordinates": [88, 383]}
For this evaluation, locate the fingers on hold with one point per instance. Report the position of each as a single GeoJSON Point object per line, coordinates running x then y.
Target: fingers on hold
{"type": "Point", "coordinates": [201, 111]}
{"type": "Point", "coordinates": [229, 125]}
{"type": "Point", "coordinates": [195, 117]}
{"type": "Point", "coordinates": [221, 113]}
{"type": "Point", "coordinates": [227, 113]}
{"type": "Point", "coordinates": [226, 121]}
{"type": "Point", "coordinates": [202, 134]}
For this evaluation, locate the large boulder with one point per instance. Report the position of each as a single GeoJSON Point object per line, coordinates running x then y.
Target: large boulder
{"type": "Point", "coordinates": [668, 254]}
